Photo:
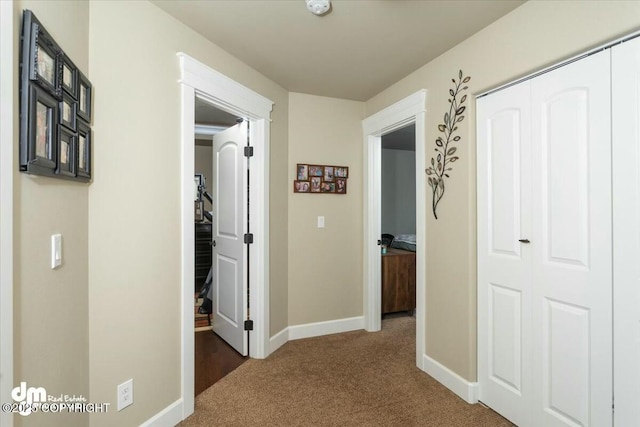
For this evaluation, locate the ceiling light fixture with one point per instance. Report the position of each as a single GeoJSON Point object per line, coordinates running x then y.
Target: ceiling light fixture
{"type": "Point", "coordinates": [318, 7]}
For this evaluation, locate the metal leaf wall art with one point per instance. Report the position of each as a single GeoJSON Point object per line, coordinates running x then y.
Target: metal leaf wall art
{"type": "Point", "coordinates": [442, 163]}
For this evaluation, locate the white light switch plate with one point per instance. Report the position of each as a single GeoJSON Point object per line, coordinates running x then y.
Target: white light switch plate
{"type": "Point", "coordinates": [320, 222]}
{"type": "Point", "coordinates": [56, 250]}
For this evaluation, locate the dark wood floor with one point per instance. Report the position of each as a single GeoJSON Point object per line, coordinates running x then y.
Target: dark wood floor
{"type": "Point", "coordinates": [214, 359]}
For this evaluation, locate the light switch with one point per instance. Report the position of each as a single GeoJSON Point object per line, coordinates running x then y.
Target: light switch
{"type": "Point", "coordinates": [56, 250]}
{"type": "Point", "coordinates": [320, 222]}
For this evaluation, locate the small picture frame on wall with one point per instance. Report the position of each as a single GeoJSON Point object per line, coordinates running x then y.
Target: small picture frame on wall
{"type": "Point", "coordinates": [68, 111]}
{"type": "Point", "coordinates": [328, 187]}
{"type": "Point", "coordinates": [301, 187]}
{"type": "Point", "coordinates": [341, 185]}
{"type": "Point", "coordinates": [316, 170]}
{"type": "Point", "coordinates": [42, 133]}
{"type": "Point", "coordinates": [83, 155]}
{"type": "Point", "coordinates": [66, 152]}
{"type": "Point", "coordinates": [42, 60]}
{"type": "Point", "coordinates": [328, 174]}
{"type": "Point", "coordinates": [341, 172]}
{"type": "Point", "coordinates": [302, 172]}
{"type": "Point", "coordinates": [84, 98]}
{"type": "Point", "coordinates": [69, 76]}
{"type": "Point", "coordinates": [316, 182]}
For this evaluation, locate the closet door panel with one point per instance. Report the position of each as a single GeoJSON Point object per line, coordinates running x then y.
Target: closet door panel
{"type": "Point", "coordinates": [626, 229]}
{"type": "Point", "coordinates": [504, 263]}
{"type": "Point", "coordinates": [564, 172]}
{"type": "Point", "coordinates": [572, 265]}
{"type": "Point", "coordinates": [504, 183]}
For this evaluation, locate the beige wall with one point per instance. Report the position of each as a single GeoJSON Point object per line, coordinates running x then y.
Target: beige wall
{"type": "Point", "coordinates": [325, 265]}
{"type": "Point", "coordinates": [536, 34]}
{"type": "Point", "coordinates": [125, 262]}
{"type": "Point", "coordinates": [50, 316]}
{"type": "Point", "coordinates": [134, 227]}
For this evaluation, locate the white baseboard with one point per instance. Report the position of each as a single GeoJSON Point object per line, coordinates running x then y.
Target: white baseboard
{"type": "Point", "coordinates": [309, 330]}
{"type": "Point", "coordinates": [278, 340]}
{"type": "Point", "coordinates": [168, 417]}
{"type": "Point", "coordinates": [466, 390]}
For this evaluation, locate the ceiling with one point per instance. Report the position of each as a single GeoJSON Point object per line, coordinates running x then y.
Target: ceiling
{"type": "Point", "coordinates": [208, 114]}
{"type": "Point", "coordinates": [400, 139]}
{"type": "Point", "coordinates": [354, 52]}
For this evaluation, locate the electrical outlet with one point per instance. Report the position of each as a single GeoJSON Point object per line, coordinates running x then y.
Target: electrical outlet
{"type": "Point", "coordinates": [125, 394]}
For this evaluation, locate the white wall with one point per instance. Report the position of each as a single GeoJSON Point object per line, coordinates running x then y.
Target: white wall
{"type": "Point", "coordinates": [398, 192]}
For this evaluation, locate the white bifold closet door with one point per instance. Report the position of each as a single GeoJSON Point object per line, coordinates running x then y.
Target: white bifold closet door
{"type": "Point", "coordinates": [625, 65]}
{"type": "Point", "coordinates": [545, 248]}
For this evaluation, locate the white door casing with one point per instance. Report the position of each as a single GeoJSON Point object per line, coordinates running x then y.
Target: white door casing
{"type": "Point", "coordinates": [544, 307]}
{"type": "Point", "coordinates": [411, 109]}
{"type": "Point", "coordinates": [229, 226]}
{"type": "Point", "coordinates": [6, 207]}
{"type": "Point", "coordinates": [197, 79]}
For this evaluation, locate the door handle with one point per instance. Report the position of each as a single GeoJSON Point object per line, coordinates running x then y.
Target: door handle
{"type": "Point", "coordinates": [213, 243]}
{"type": "Point", "coordinates": [524, 241]}
{"type": "Point", "coordinates": [379, 242]}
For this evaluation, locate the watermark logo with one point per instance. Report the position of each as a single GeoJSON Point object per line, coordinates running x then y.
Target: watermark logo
{"type": "Point", "coordinates": [28, 400]}
{"type": "Point", "coordinates": [29, 396]}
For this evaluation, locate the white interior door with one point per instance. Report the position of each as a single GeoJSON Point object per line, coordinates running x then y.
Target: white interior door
{"type": "Point", "coordinates": [504, 263]}
{"type": "Point", "coordinates": [544, 306]}
{"type": "Point", "coordinates": [572, 244]}
{"type": "Point", "coordinates": [229, 226]}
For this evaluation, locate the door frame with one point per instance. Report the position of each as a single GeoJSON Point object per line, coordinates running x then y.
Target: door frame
{"type": "Point", "coordinates": [411, 109]}
{"type": "Point", "coordinates": [224, 93]}
{"type": "Point", "coordinates": [6, 207]}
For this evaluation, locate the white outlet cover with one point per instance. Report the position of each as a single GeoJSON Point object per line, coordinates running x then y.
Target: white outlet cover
{"type": "Point", "coordinates": [321, 222]}
{"type": "Point", "coordinates": [125, 394]}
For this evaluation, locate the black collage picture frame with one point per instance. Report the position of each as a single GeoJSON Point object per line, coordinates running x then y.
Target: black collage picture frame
{"type": "Point", "coordinates": [55, 108]}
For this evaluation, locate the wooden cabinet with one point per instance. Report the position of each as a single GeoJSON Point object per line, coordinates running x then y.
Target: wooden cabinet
{"type": "Point", "coordinates": [202, 253]}
{"type": "Point", "coordinates": [398, 281]}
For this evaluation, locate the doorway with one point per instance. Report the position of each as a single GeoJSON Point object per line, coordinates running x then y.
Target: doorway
{"type": "Point", "coordinates": [398, 222]}
{"type": "Point", "coordinates": [214, 358]}
{"type": "Point", "coordinates": [409, 111]}
{"type": "Point", "coordinates": [200, 80]}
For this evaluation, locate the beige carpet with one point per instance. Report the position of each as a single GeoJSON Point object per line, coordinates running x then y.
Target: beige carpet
{"type": "Point", "coordinates": [351, 379]}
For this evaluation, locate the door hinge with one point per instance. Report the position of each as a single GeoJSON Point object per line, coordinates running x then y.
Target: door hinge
{"type": "Point", "coordinates": [248, 238]}
{"type": "Point", "coordinates": [248, 151]}
{"type": "Point", "coordinates": [248, 325]}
